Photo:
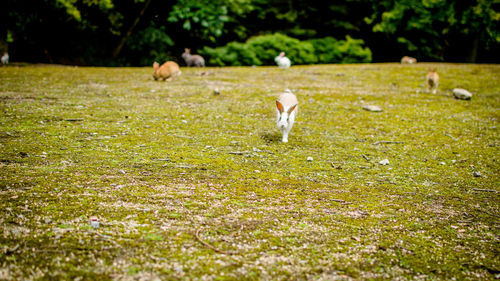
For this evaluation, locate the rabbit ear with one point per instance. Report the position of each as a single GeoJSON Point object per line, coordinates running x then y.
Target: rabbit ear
{"type": "Point", "coordinates": [280, 106]}
{"type": "Point", "coordinates": [291, 109]}
{"type": "Point", "coordinates": [156, 65]}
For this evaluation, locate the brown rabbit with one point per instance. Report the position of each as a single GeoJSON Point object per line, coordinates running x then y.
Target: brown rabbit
{"type": "Point", "coordinates": [432, 80]}
{"type": "Point", "coordinates": [408, 60]}
{"type": "Point", "coordinates": [195, 60]}
{"type": "Point", "coordinates": [167, 71]}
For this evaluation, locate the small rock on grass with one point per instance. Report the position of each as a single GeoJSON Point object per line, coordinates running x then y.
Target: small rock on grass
{"type": "Point", "coordinates": [94, 222]}
{"type": "Point", "coordinates": [309, 159]}
{"type": "Point", "coordinates": [384, 162]}
{"type": "Point", "coordinates": [462, 94]}
{"type": "Point", "coordinates": [477, 174]}
{"type": "Point", "coordinates": [372, 108]}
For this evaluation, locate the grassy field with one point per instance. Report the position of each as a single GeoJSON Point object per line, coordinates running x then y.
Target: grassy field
{"type": "Point", "coordinates": [187, 184]}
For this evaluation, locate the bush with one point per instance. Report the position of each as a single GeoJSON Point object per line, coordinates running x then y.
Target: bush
{"type": "Point", "coordinates": [330, 50]}
{"type": "Point", "coordinates": [233, 54]}
{"type": "Point", "coordinates": [267, 47]}
{"type": "Point", "coordinates": [326, 50]}
{"type": "Point", "coordinates": [263, 49]}
{"type": "Point", "coordinates": [353, 51]}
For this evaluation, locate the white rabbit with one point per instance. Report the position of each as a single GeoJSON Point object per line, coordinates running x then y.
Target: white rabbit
{"type": "Point", "coordinates": [286, 110]}
{"type": "Point", "coordinates": [282, 61]}
{"type": "Point", "coordinates": [5, 58]}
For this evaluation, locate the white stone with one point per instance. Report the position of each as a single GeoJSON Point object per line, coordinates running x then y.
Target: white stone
{"type": "Point", "coordinates": [309, 159]}
{"type": "Point", "coordinates": [384, 162]}
{"type": "Point", "coordinates": [94, 222]}
{"type": "Point", "coordinates": [372, 108]}
{"type": "Point", "coordinates": [462, 94]}
{"type": "Point", "coordinates": [178, 269]}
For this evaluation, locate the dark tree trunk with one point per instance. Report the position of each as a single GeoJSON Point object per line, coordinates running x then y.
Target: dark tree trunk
{"type": "Point", "coordinates": [118, 49]}
{"type": "Point", "coordinates": [49, 57]}
{"type": "Point", "coordinates": [472, 55]}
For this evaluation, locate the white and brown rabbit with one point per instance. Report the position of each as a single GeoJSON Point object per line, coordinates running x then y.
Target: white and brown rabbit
{"type": "Point", "coordinates": [166, 71]}
{"type": "Point", "coordinates": [408, 60]}
{"type": "Point", "coordinates": [432, 80]}
{"type": "Point", "coordinates": [282, 61]}
{"type": "Point", "coordinates": [191, 60]}
{"type": "Point", "coordinates": [286, 110]}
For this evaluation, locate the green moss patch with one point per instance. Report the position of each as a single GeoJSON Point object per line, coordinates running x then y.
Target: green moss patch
{"type": "Point", "coordinates": [169, 168]}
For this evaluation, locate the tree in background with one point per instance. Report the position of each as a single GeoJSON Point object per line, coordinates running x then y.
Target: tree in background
{"type": "Point", "coordinates": [60, 31]}
{"type": "Point", "coordinates": [137, 32]}
{"type": "Point", "coordinates": [438, 29]}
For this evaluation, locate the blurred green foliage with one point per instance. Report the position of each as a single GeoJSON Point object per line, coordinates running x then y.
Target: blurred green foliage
{"type": "Point", "coordinates": [267, 47]}
{"type": "Point", "coordinates": [330, 50]}
{"type": "Point", "coordinates": [153, 42]}
{"type": "Point", "coordinates": [431, 28]}
{"type": "Point", "coordinates": [204, 18]}
{"type": "Point", "coordinates": [261, 50]}
{"type": "Point", "coordinates": [139, 31]}
{"type": "Point", "coordinates": [233, 54]}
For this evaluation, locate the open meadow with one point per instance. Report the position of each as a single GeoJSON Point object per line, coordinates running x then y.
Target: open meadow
{"type": "Point", "coordinates": [108, 174]}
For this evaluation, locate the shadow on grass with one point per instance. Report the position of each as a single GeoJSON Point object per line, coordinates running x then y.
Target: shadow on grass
{"type": "Point", "coordinates": [274, 138]}
{"type": "Point", "coordinates": [271, 137]}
